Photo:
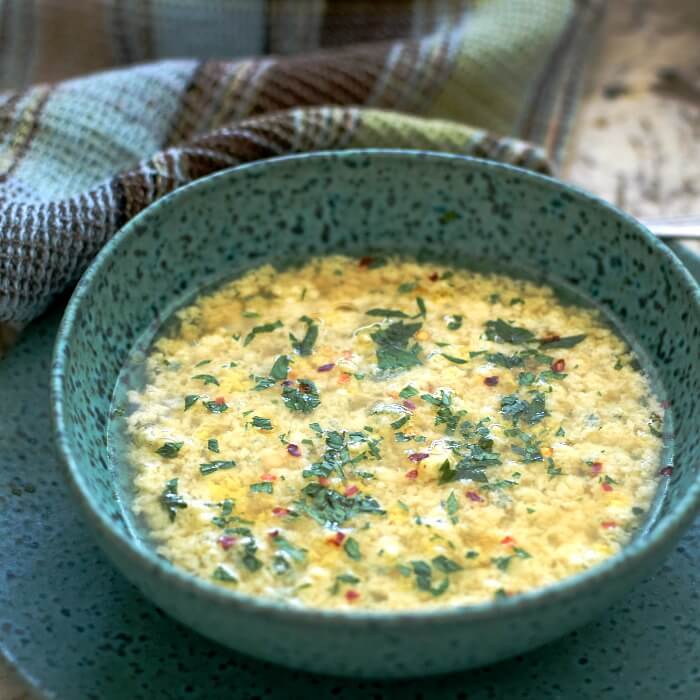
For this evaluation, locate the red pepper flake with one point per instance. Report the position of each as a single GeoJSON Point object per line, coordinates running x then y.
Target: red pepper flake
{"type": "Point", "coordinates": [279, 511]}
{"type": "Point", "coordinates": [351, 490]}
{"type": "Point", "coordinates": [337, 539]}
{"type": "Point", "coordinates": [365, 261]}
{"type": "Point", "coordinates": [418, 456]}
{"type": "Point", "coordinates": [273, 533]}
{"type": "Point", "coordinates": [474, 496]}
{"type": "Point", "coordinates": [326, 368]}
{"type": "Point", "coordinates": [351, 595]}
{"type": "Point", "coordinates": [491, 381]}
{"type": "Point", "coordinates": [409, 405]}
{"type": "Point", "coordinates": [413, 474]}
{"type": "Point", "coordinates": [596, 468]}
{"type": "Point", "coordinates": [507, 540]}
{"type": "Point", "coordinates": [666, 471]}
{"type": "Point", "coordinates": [433, 277]}
{"type": "Point", "coordinates": [608, 524]}
{"type": "Point", "coordinates": [606, 486]}
{"type": "Point", "coordinates": [293, 450]}
{"type": "Point", "coordinates": [226, 541]}
{"type": "Point", "coordinates": [559, 365]}
{"type": "Point", "coordinates": [268, 477]}
{"type": "Point", "coordinates": [323, 480]}
{"type": "Point", "coordinates": [220, 400]}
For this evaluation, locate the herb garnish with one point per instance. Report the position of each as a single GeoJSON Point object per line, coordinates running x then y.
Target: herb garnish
{"type": "Point", "coordinates": [191, 400]}
{"type": "Point", "coordinates": [393, 352]}
{"type": "Point", "coordinates": [207, 379]}
{"type": "Point", "coordinates": [342, 578]}
{"type": "Point", "coordinates": [502, 332]}
{"type": "Point", "coordinates": [304, 397]}
{"type": "Point", "coordinates": [387, 313]}
{"type": "Point", "coordinates": [211, 467]}
{"type": "Point", "coordinates": [305, 346]}
{"type": "Point", "coordinates": [452, 358]}
{"type": "Point", "coordinates": [280, 368]}
{"type": "Point", "coordinates": [455, 323]}
{"type": "Point", "coordinates": [407, 392]}
{"type": "Point", "coordinates": [566, 342]}
{"type": "Point", "coordinates": [424, 580]}
{"type": "Point", "coordinates": [264, 328]}
{"type": "Point", "coordinates": [330, 508]}
{"type": "Point", "coordinates": [223, 574]}
{"type": "Point", "coordinates": [262, 487]}
{"type": "Point", "coordinates": [169, 449]}
{"type": "Point", "coordinates": [216, 406]}
{"type": "Point", "coordinates": [262, 423]}
{"type": "Point", "coordinates": [170, 500]}
{"type": "Point", "coordinates": [531, 412]}
{"type": "Point", "coordinates": [447, 566]}
{"type": "Point", "coordinates": [337, 455]}
{"type": "Point", "coordinates": [352, 548]}
{"type": "Point", "coordinates": [213, 445]}
{"type": "Point", "coordinates": [444, 415]}
{"type": "Point", "coordinates": [407, 287]}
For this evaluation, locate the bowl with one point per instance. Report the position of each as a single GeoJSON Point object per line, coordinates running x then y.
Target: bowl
{"type": "Point", "coordinates": [350, 202]}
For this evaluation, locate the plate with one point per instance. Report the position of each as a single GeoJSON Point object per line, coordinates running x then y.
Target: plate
{"type": "Point", "coordinates": [75, 629]}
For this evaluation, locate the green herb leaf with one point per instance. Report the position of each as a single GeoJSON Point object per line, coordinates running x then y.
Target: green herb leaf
{"type": "Point", "coordinates": [202, 363]}
{"type": "Point", "coordinates": [352, 548]}
{"type": "Point", "coordinates": [447, 566]}
{"type": "Point", "coordinates": [526, 378]}
{"type": "Point", "coordinates": [452, 358]}
{"type": "Point", "coordinates": [407, 287]}
{"type": "Point", "coordinates": [455, 323]}
{"type": "Point", "coordinates": [169, 449]}
{"type": "Point", "coordinates": [471, 554]}
{"type": "Point", "coordinates": [304, 397]}
{"type": "Point", "coordinates": [502, 563]}
{"type": "Point", "coordinates": [280, 368]}
{"type": "Point", "coordinates": [213, 445]}
{"type": "Point", "coordinates": [207, 379]}
{"type": "Point", "coordinates": [517, 408]}
{"type": "Point", "coordinates": [296, 553]}
{"type": "Point", "coordinates": [264, 328]}
{"type": "Point", "coordinates": [347, 578]}
{"type": "Point", "coordinates": [422, 311]}
{"type": "Point", "coordinates": [566, 342]}
{"type": "Point", "coordinates": [306, 345]}
{"type": "Point", "coordinates": [222, 574]}
{"type": "Point", "coordinates": [400, 422]}
{"type": "Point", "coordinates": [502, 332]}
{"type": "Point", "coordinates": [262, 423]}
{"type": "Point", "coordinates": [262, 487]}
{"type": "Point", "coordinates": [170, 500]}
{"type": "Point", "coordinates": [191, 400]}
{"type": "Point", "coordinates": [211, 467]}
{"type": "Point", "coordinates": [407, 392]}
{"type": "Point", "coordinates": [451, 504]}
{"type": "Point", "coordinates": [552, 469]}
{"type": "Point", "coordinates": [215, 406]}
{"type": "Point", "coordinates": [392, 350]}
{"type": "Point", "coordinates": [520, 552]}
{"type": "Point", "coordinates": [387, 313]}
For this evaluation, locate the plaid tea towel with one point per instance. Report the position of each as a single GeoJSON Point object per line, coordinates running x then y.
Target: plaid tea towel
{"type": "Point", "coordinates": [175, 93]}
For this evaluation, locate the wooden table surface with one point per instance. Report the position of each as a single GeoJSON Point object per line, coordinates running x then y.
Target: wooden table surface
{"type": "Point", "coordinates": [637, 139]}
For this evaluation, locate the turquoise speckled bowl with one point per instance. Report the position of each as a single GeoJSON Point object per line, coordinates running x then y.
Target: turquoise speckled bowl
{"type": "Point", "coordinates": [351, 202]}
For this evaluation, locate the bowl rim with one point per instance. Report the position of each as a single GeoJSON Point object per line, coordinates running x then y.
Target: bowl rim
{"type": "Point", "coordinates": [668, 529]}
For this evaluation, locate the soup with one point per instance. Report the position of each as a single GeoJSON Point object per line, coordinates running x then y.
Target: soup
{"type": "Point", "coordinates": [383, 433]}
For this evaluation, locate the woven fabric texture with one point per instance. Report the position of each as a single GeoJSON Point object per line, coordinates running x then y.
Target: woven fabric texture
{"type": "Point", "coordinates": [178, 94]}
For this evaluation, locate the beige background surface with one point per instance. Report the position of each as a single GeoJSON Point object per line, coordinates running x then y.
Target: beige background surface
{"type": "Point", "coordinates": [637, 141]}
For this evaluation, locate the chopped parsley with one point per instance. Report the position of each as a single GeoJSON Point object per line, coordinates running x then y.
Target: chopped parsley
{"type": "Point", "coordinates": [387, 313]}
{"type": "Point", "coordinates": [211, 467]}
{"type": "Point", "coordinates": [407, 287]}
{"type": "Point", "coordinates": [407, 392]}
{"type": "Point", "coordinates": [202, 363]}
{"type": "Point", "coordinates": [502, 332]}
{"type": "Point", "coordinates": [393, 350]}
{"type": "Point", "coordinates": [452, 358]}
{"type": "Point", "coordinates": [567, 342]}
{"type": "Point", "coordinates": [552, 469]}
{"type": "Point", "coordinates": [352, 548]}
{"type": "Point", "coordinates": [216, 406]}
{"type": "Point", "coordinates": [262, 423]}
{"type": "Point", "coordinates": [170, 500]}
{"type": "Point", "coordinates": [207, 379]}
{"type": "Point", "coordinates": [213, 445]}
{"type": "Point", "coordinates": [424, 580]}
{"type": "Point", "coordinates": [330, 508]}
{"type": "Point", "coordinates": [305, 346]}
{"type": "Point", "coordinates": [280, 368]}
{"type": "Point", "coordinates": [169, 449]}
{"type": "Point", "coordinates": [444, 414]}
{"type": "Point", "coordinates": [455, 323]}
{"type": "Point", "coordinates": [262, 487]}
{"type": "Point", "coordinates": [191, 400]}
{"type": "Point", "coordinates": [400, 422]}
{"type": "Point", "coordinates": [452, 506]}
{"type": "Point", "coordinates": [221, 573]}
{"type": "Point", "coordinates": [264, 328]}
{"type": "Point", "coordinates": [337, 454]}
{"type": "Point", "coordinates": [447, 566]}
{"type": "Point", "coordinates": [304, 397]}
{"type": "Point", "coordinates": [533, 411]}
{"type": "Point", "coordinates": [502, 563]}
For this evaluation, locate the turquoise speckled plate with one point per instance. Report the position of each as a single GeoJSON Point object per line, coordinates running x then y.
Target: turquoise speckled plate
{"type": "Point", "coordinates": [77, 630]}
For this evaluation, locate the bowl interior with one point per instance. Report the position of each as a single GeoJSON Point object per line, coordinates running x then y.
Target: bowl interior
{"type": "Point", "coordinates": [433, 206]}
